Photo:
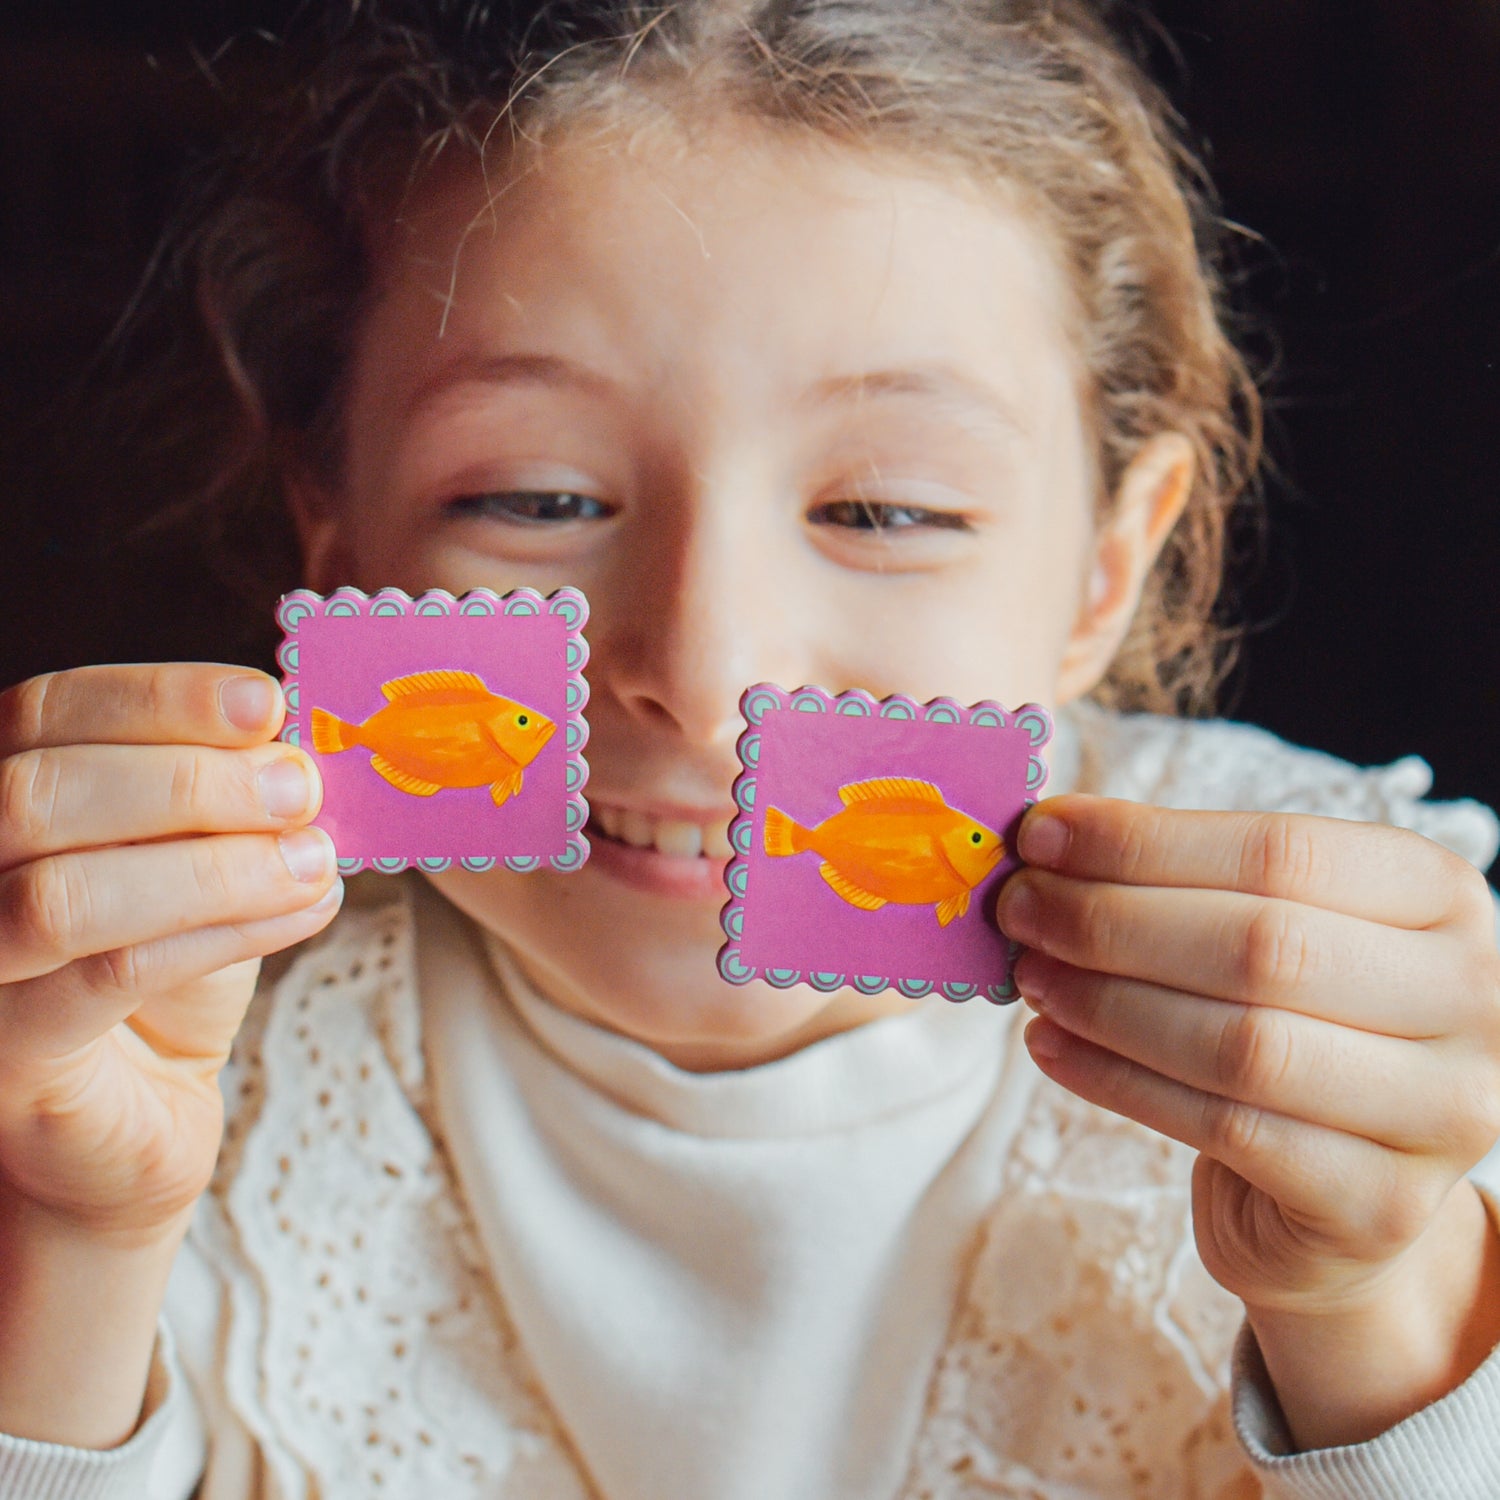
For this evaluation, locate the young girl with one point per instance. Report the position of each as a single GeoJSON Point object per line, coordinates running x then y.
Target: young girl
{"type": "Point", "coordinates": [852, 342]}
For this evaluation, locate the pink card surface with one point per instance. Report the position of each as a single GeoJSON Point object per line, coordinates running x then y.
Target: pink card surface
{"type": "Point", "coordinates": [871, 839]}
{"type": "Point", "coordinates": [447, 730]}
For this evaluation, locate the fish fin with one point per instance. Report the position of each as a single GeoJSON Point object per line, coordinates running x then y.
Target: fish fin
{"type": "Point", "coordinates": [781, 833]}
{"type": "Point", "coordinates": [953, 908]}
{"type": "Point", "coordinates": [890, 789]}
{"type": "Point", "coordinates": [436, 687]}
{"type": "Point", "coordinates": [403, 781]}
{"type": "Point", "coordinates": [330, 734]}
{"type": "Point", "coordinates": [502, 791]}
{"type": "Point", "coordinates": [848, 891]}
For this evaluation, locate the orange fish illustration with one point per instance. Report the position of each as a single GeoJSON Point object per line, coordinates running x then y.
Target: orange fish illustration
{"type": "Point", "coordinates": [894, 839]}
{"type": "Point", "coordinates": [442, 729]}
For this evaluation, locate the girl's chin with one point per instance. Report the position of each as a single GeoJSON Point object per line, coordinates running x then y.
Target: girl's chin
{"type": "Point", "coordinates": [698, 879]}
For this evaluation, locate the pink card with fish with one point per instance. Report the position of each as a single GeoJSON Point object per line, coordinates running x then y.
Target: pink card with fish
{"type": "Point", "coordinates": [871, 839]}
{"type": "Point", "coordinates": [447, 730]}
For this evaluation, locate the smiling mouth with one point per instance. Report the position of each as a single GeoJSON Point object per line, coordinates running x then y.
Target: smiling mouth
{"type": "Point", "coordinates": [672, 837]}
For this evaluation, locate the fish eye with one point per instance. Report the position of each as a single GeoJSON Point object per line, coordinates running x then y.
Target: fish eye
{"type": "Point", "coordinates": [976, 837]}
{"type": "Point", "coordinates": [522, 720]}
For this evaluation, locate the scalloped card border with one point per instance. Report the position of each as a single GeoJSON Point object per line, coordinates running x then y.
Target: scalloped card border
{"type": "Point", "coordinates": [568, 603]}
{"type": "Point", "coordinates": [764, 698]}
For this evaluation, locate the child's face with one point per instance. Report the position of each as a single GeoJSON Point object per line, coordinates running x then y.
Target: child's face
{"type": "Point", "coordinates": [782, 413]}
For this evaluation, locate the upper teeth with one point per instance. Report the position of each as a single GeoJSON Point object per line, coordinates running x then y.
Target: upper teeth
{"type": "Point", "coordinates": [666, 835]}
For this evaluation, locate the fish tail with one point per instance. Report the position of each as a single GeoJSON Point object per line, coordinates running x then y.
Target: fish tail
{"type": "Point", "coordinates": [784, 835]}
{"type": "Point", "coordinates": [331, 734]}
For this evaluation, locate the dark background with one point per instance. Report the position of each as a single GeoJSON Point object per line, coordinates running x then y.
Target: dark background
{"type": "Point", "coordinates": [1363, 157]}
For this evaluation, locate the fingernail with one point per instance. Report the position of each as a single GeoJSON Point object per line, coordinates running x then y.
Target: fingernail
{"type": "Point", "coordinates": [1017, 912]}
{"type": "Point", "coordinates": [248, 702]}
{"type": "Point", "coordinates": [1044, 839]}
{"type": "Point", "coordinates": [308, 853]}
{"type": "Point", "coordinates": [331, 899]}
{"type": "Point", "coordinates": [1043, 1040]}
{"type": "Point", "coordinates": [285, 791]}
{"type": "Point", "coordinates": [1031, 977]}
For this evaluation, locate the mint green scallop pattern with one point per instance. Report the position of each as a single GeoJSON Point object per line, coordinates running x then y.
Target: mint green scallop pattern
{"type": "Point", "coordinates": [573, 857]}
{"type": "Point", "coordinates": [758, 703]}
{"type": "Point", "coordinates": [295, 608]}
{"type": "Point", "coordinates": [855, 706]}
{"type": "Point", "coordinates": [1036, 724]}
{"type": "Point", "coordinates": [733, 968]}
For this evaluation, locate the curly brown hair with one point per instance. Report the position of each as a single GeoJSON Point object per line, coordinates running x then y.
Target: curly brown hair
{"type": "Point", "coordinates": [262, 278]}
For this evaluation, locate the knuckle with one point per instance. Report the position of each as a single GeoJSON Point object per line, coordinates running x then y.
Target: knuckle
{"type": "Point", "coordinates": [1092, 925]}
{"type": "Point", "coordinates": [1275, 952]}
{"type": "Point", "coordinates": [210, 864]}
{"type": "Point", "coordinates": [158, 695]}
{"type": "Point", "coordinates": [1254, 1054]}
{"type": "Point", "coordinates": [1230, 1128]}
{"type": "Point", "coordinates": [23, 710]}
{"type": "Point", "coordinates": [28, 797]}
{"type": "Point", "coordinates": [123, 969]}
{"type": "Point", "coordinates": [1282, 856]}
{"type": "Point", "coordinates": [50, 906]}
{"type": "Point", "coordinates": [1137, 847]}
{"type": "Point", "coordinates": [187, 791]}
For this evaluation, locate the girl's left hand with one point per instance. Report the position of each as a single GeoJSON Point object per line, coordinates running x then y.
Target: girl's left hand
{"type": "Point", "coordinates": [1312, 1004]}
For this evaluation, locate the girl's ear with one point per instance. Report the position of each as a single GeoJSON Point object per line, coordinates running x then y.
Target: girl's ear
{"type": "Point", "coordinates": [1151, 496]}
{"type": "Point", "coordinates": [325, 564]}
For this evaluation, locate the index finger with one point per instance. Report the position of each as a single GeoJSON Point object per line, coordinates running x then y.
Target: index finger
{"type": "Point", "coordinates": [157, 703]}
{"type": "Point", "coordinates": [1367, 870]}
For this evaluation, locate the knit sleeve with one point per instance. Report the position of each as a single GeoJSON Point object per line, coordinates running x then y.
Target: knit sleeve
{"type": "Point", "coordinates": [161, 1460]}
{"type": "Point", "coordinates": [1449, 1450]}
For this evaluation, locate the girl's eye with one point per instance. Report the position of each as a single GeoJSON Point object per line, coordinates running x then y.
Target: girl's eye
{"type": "Point", "coordinates": [877, 516]}
{"type": "Point", "coordinates": [532, 507]}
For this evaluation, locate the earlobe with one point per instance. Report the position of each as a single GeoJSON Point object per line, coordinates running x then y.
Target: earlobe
{"type": "Point", "coordinates": [1150, 499]}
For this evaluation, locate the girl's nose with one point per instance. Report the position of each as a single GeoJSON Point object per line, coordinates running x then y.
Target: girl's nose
{"type": "Point", "coordinates": [694, 621]}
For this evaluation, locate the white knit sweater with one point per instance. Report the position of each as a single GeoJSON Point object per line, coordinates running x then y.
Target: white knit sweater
{"type": "Point", "coordinates": [460, 1243]}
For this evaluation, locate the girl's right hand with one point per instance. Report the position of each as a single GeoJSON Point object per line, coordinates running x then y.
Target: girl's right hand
{"type": "Point", "coordinates": [153, 849]}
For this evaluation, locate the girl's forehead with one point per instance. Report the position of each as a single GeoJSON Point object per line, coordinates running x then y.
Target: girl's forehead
{"type": "Point", "coordinates": [729, 238]}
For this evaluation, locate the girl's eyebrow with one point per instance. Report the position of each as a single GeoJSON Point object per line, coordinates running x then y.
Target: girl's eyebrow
{"type": "Point", "coordinates": [938, 383]}
{"type": "Point", "coordinates": [512, 369]}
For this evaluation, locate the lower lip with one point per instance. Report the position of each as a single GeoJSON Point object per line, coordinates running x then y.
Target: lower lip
{"type": "Point", "coordinates": [698, 879]}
